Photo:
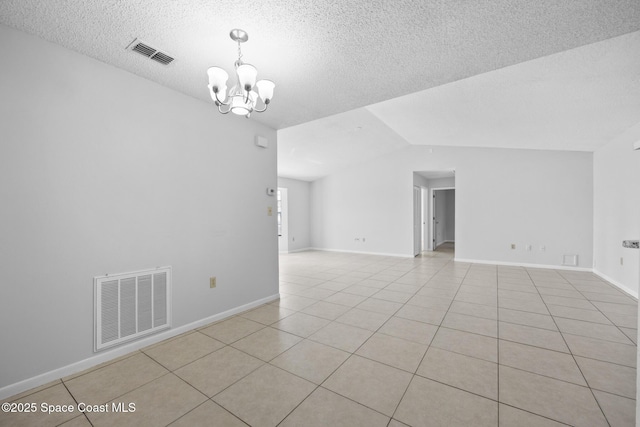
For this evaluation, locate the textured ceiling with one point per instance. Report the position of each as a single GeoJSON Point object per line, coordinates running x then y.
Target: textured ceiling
{"type": "Point", "coordinates": [577, 100]}
{"type": "Point", "coordinates": [326, 57]}
{"type": "Point", "coordinates": [358, 79]}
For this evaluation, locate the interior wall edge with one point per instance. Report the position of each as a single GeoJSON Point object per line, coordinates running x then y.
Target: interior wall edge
{"type": "Point", "coordinates": [617, 284]}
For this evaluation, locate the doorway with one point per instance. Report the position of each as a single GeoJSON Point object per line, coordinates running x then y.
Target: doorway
{"type": "Point", "coordinates": [443, 219]}
{"type": "Point", "coordinates": [417, 220]}
{"type": "Point", "coordinates": [426, 186]}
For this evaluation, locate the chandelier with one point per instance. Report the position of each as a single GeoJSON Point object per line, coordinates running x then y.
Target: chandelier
{"type": "Point", "coordinates": [242, 99]}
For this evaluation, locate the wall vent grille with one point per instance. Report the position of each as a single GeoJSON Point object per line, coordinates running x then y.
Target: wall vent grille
{"type": "Point", "coordinates": [152, 53]}
{"type": "Point", "coordinates": [131, 305]}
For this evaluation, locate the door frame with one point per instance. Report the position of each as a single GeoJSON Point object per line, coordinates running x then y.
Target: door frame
{"type": "Point", "coordinates": [283, 239]}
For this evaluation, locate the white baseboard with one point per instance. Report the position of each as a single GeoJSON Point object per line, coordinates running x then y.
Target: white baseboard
{"type": "Point", "coordinates": [617, 284]}
{"type": "Point", "coordinates": [105, 356]}
{"type": "Point", "coordinates": [300, 250]}
{"type": "Point", "coordinates": [361, 252]}
{"type": "Point", "coordinates": [524, 264]}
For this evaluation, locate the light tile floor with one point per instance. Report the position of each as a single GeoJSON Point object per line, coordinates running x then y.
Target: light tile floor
{"type": "Point", "coordinates": [360, 340]}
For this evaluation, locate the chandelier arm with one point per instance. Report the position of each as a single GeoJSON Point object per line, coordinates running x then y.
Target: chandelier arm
{"type": "Point", "coordinates": [223, 112]}
{"type": "Point", "coordinates": [220, 102]}
{"type": "Point", "coordinates": [263, 110]}
{"type": "Point", "coordinates": [266, 105]}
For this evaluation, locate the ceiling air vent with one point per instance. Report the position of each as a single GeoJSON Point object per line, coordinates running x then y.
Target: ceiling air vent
{"type": "Point", "coordinates": [150, 52]}
{"type": "Point", "coordinates": [162, 58]}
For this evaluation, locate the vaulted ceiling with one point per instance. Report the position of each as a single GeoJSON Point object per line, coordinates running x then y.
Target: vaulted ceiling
{"type": "Point", "coordinates": [360, 78]}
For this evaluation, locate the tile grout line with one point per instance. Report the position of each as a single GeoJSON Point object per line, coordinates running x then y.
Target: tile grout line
{"type": "Point", "coordinates": [328, 376]}
{"type": "Point", "coordinates": [529, 345]}
{"type": "Point", "coordinates": [498, 339]}
{"type": "Point", "coordinates": [401, 267]}
{"type": "Point", "coordinates": [434, 336]}
{"type": "Point", "coordinates": [579, 368]}
{"type": "Point", "coordinates": [340, 365]}
{"type": "Point", "coordinates": [600, 311]}
{"type": "Point", "coordinates": [75, 400]}
{"type": "Point", "coordinates": [352, 354]}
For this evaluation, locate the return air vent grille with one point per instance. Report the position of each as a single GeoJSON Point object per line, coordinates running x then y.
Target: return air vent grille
{"type": "Point", "coordinates": [131, 305]}
{"type": "Point", "coordinates": [150, 52]}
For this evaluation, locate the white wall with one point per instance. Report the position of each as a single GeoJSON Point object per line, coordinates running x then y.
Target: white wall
{"type": "Point", "coordinates": [616, 210]}
{"type": "Point", "coordinates": [298, 213]}
{"type": "Point", "coordinates": [104, 172]}
{"type": "Point", "coordinates": [503, 196]}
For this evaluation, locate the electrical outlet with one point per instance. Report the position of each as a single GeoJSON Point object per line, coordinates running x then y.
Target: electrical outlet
{"type": "Point", "coordinates": [212, 282]}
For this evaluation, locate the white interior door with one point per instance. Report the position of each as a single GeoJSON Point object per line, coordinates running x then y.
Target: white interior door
{"type": "Point", "coordinates": [417, 220]}
{"type": "Point", "coordinates": [439, 219]}
{"type": "Point", "coordinates": [434, 221]}
{"type": "Point", "coordinates": [424, 214]}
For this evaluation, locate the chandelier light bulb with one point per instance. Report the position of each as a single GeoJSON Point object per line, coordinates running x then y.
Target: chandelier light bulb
{"type": "Point", "coordinates": [217, 77]}
{"type": "Point", "coordinates": [247, 74]}
{"type": "Point", "coordinates": [265, 90]}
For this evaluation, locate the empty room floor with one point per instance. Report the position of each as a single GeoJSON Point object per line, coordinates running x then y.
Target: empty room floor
{"type": "Point", "coordinates": [362, 340]}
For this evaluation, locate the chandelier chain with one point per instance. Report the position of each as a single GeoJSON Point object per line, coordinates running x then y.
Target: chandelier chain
{"type": "Point", "coordinates": [239, 53]}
